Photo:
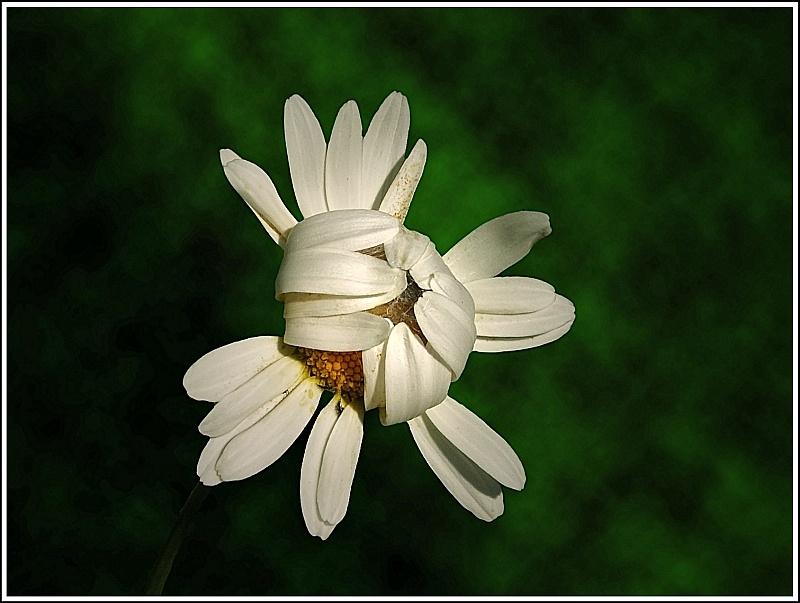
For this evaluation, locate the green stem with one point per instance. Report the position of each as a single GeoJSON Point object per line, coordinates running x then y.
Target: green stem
{"type": "Point", "coordinates": [164, 563]}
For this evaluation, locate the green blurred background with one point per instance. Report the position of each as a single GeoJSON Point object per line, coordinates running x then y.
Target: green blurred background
{"type": "Point", "coordinates": [656, 435]}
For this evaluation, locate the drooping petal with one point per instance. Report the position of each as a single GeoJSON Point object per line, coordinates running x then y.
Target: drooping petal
{"type": "Point", "coordinates": [342, 333]}
{"type": "Point", "coordinates": [557, 314]}
{"type": "Point", "coordinates": [496, 245]}
{"type": "Point", "coordinates": [374, 376]}
{"type": "Point", "coordinates": [398, 198]}
{"type": "Point", "coordinates": [343, 160]}
{"type": "Point", "coordinates": [406, 248]}
{"type": "Point", "coordinates": [511, 295]}
{"type": "Point", "coordinates": [448, 328]}
{"type": "Point", "coordinates": [221, 371]}
{"type": "Point", "coordinates": [339, 461]}
{"type": "Point", "coordinates": [416, 378]}
{"type": "Point", "coordinates": [260, 445]}
{"type": "Point", "coordinates": [350, 229]}
{"type": "Point", "coordinates": [335, 272]}
{"type": "Point", "coordinates": [305, 148]}
{"type": "Point", "coordinates": [471, 486]}
{"type": "Point", "coordinates": [510, 344]}
{"type": "Point", "coordinates": [384, 147]}
{"type": "Point", "coordinates": [256, 188]}
{"type": "Point", "coordinates": [310, 471]}
{"type": "Point", "coordinates": [266, 390]}
{"type": "Point", "coordinates": [479, 442]}
{"type": "Point", "coordinates": [298, 305]}
{"type": "Point", "coordinates": [426, 266]}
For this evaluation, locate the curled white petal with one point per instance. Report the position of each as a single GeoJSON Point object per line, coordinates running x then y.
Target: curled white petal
{"type": "Point", "coordinates": [479, 442]}
{"type": "Point", "coordinates": [530, 324]}
{"type": "Point", "coordinates": [343, 160]}
{"type": "Point", "coordinates": [309, 471]}
{"type": "Point", "coordinates": [416, 378]}
{"type": "Point", "coordinates": [335, 272]}
{"type": "Point", "coordinates": [305, 148]}
{"type": "Point", "coordinates": [496, 245]}
{"type": "Point", "coordinates": [510, 295]}
{"type": "Point", "coordinates": [398, 198]}
{"type": "Point", "coordinates": [384, 147]}
{"type": "Point", "coordinates": [221, 371]}
{"type": "Point", "coordinates": [317, 304]}
{"type": "Point", "coordinates": [471, 486]}
{"type": "Point", "coordinates": [450, 331]}
{"type": "Point", "coordinates": [265, 390]}
{"type": "Point", "coordinates": [261, 444]}
{"type": "Point", "coordinates": [256, 188]}
{"type": "Point", "coordinates": [347, 229]}
{"type": "Point", "coordinates": [406, 248]}
{"type": "Point", "coordinates": [341, 333]}
{"type": "Point", "coordinates": [446, 284]}
{"type": "Point", "coordinates": [426, 266]}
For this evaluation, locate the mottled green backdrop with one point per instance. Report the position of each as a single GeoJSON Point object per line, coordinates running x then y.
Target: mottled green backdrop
{"type": "Point", "coordinates": [656, 435]}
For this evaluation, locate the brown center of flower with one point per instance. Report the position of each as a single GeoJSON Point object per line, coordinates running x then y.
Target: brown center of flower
{"type": "Point", "coordinates": [343, 372]}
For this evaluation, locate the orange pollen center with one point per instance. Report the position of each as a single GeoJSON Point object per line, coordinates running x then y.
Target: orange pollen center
{"type": "Point", "coordinates": [340, 372]}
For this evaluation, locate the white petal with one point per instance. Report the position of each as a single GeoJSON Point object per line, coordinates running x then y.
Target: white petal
{"type": "Point", "coordinates": [350, 229]}
{"type": "Point", "coordinates": [557, 314]}
{"type": "Point", "coordinates": [305, 148]}
{"type": "Point", "coordinates": [479, 442]}
{"type": "Point", "coordinates": [265, 390]}
{"type": "Point", "coordinates": [339, 461]}
{"type": "Point", "coordinates": [343, 333]}
{"type": "Point", "coordinates": [406, 248]}
{"type": "Point", "coordinates": [221, 371]}
{"type": "Point", "coordinates": [510, 344]}
{"type": "Point", "coordinates": [310, 470]}
{"type": "Point", "coordinates": [298, 305]}
{"type": "Point", "coordinates": [401, 191]}
{"type": "Point", "coordinates": [511, 295]}
{"type": "Point", "coordinates": [449, 329]}
{"type": "Point", "coordinates": [496, 245]}
{"type": "Point", "coordinates": [478, 492]}
{"type": "Point", "coordinates": [384, 147]}
{"type": "Point", "coordinates": [335, 272]}
{"type": "Point", "coordinates": [343, 161]}
{"type": "Point", "coordinates": [263, 443]}
{"type": "Point", "coordinates": [416, 379]}
{"type": "Point", "coordinates": [426, 266]}
{"type": "Point", "coordinates": [374, 376]}
{"type": "Point", "coordinates": [256, 188]}
{"type": "Point", "coordinates": [446, 284]}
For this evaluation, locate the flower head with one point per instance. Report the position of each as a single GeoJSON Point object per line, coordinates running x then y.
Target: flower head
{"type": "Point", "coordinates": [373, 314]}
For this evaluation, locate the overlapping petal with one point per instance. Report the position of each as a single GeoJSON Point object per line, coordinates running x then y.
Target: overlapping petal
{"type": "Point", "coordinates": [265, 441]}
{"type": "Point", "coordinates": [335, 272]}
{"type": "Point", "coordinates": [340, 333]}
{"type": "Point", "coordinates": [449, 329]}
{"type": "Point", "coordinates": [470, 485]}
{"type": "Point", "coordinates": [222, 370]}
{"type": "Point", "coordinates": [510, 295]}
{"type": "Point", "coordinates": [524, 330]}
{"type": "Point", "coordinates": [496, 245]}
{"type": "Point", "coordinates": [351, 230]}
{"type": "Point", "coordinates": [329, 465]}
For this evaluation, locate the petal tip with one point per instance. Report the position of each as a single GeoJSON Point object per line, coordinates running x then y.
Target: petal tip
{"type": "Point", "coordinates": [226, 156]}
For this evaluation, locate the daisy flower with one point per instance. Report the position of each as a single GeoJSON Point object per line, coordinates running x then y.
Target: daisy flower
{"type": "Point", "coordinates": [373, 314]}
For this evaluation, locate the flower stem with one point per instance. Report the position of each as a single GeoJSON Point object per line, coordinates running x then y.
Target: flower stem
{"type": "Point", "coordinates": [164, 564]}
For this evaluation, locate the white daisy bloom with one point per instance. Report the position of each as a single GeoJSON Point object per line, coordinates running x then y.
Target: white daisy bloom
{"type": "Point", "coordinates": [374, 314]}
